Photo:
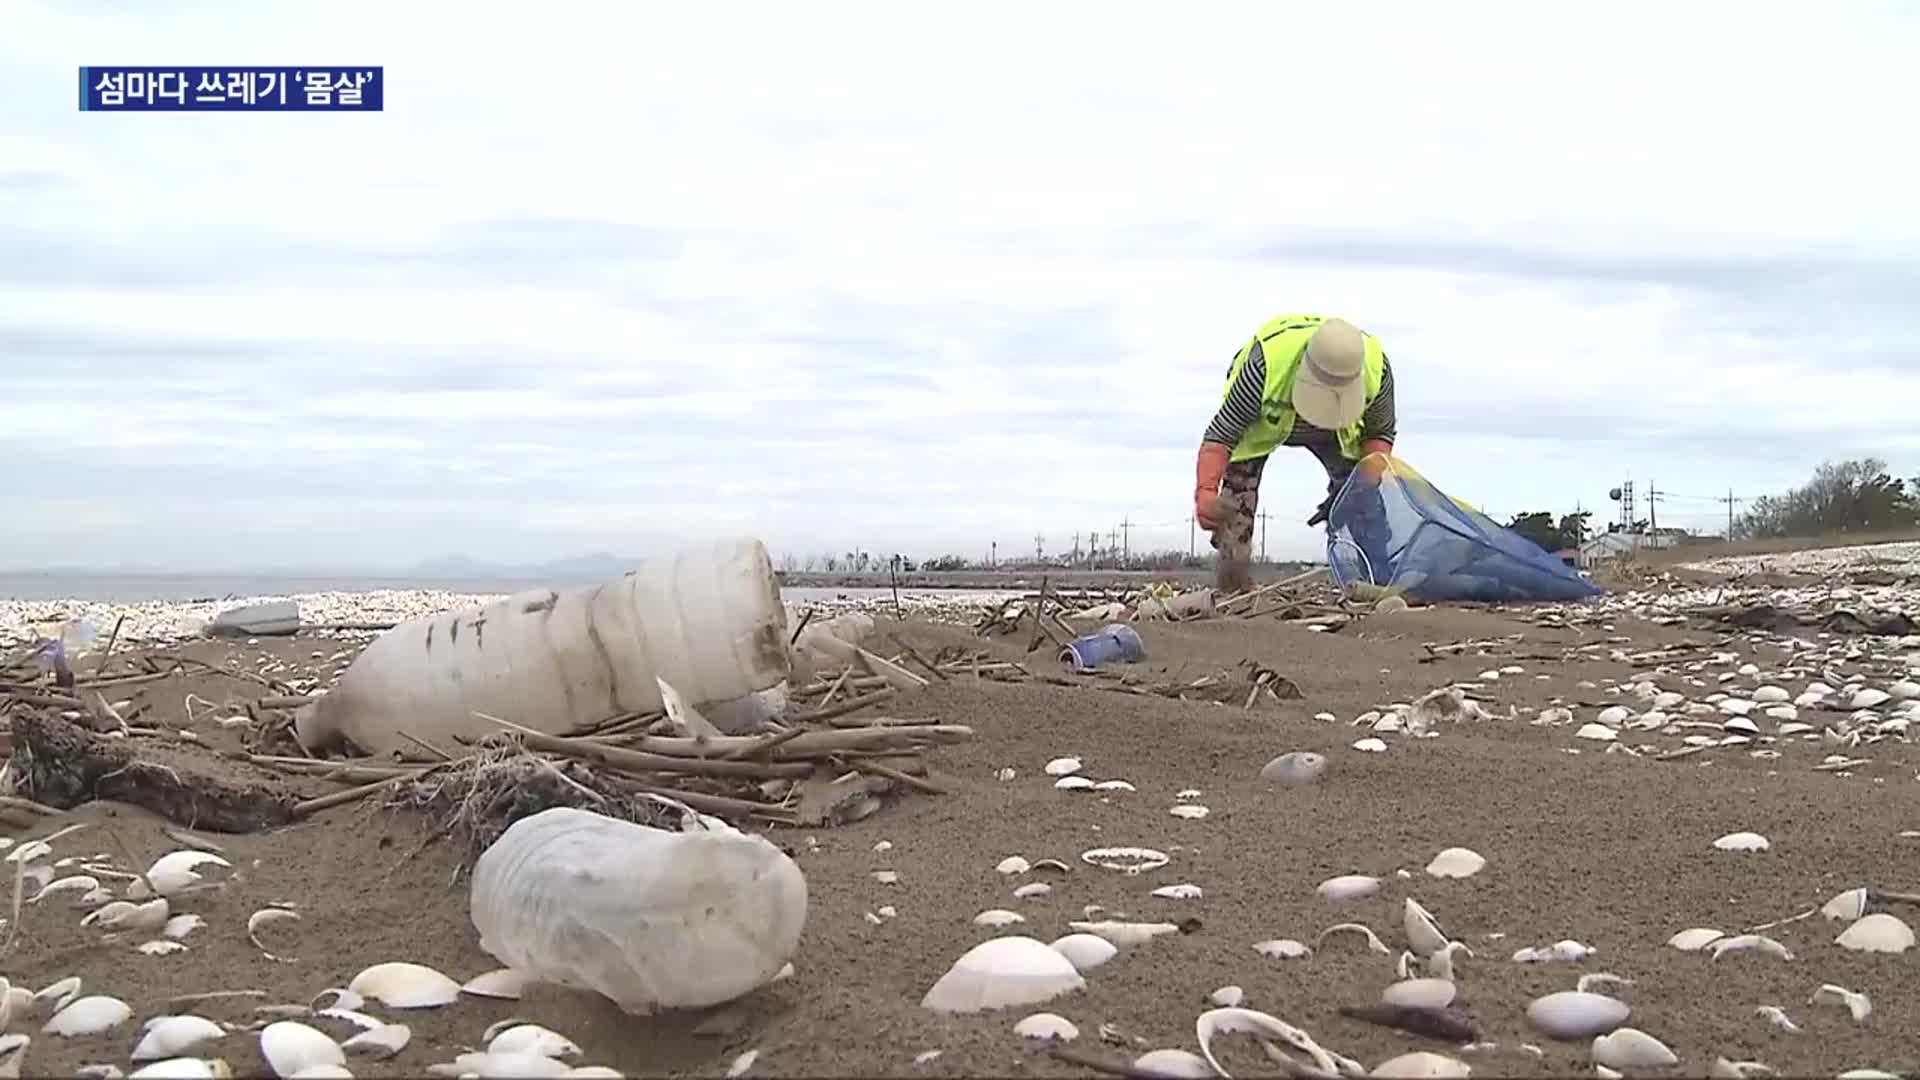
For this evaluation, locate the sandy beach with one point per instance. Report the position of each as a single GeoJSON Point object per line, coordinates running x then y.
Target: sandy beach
{"type": "Point", "coordinates": [1596, 811]}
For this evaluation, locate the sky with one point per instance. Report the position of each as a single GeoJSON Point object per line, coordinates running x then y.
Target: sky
{"type": "Point", "coordinates": [629, 276]}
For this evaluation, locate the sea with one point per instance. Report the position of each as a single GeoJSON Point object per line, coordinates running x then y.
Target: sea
{"type": "Point", "coordinates": [183, 588]}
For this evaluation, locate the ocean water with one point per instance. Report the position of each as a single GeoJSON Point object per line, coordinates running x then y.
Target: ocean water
{"type": "Point", "coordinates": [183, 588]}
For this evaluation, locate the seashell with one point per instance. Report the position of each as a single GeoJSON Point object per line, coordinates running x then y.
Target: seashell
{"type": "Point", "coordinates": [1868, 698]}
{"type": "Point", "coordinates": [1751, 943]}
{"type": "Point", "coordinates": [1371, 746]}
{"type": "Point", "coordinates": [1033, 890]}
{"type": "Point", "coordinates": [1571, 1014]}
{"type": "Point", "coordinates": [1012, 865]}
{"type": "Point", "coordinates": [291, 1047]}
{"type": "Point", "coordinates": [1085, 951]}
{"type": "Point", "coordinates": [263, 918]}
{"type": "Point", "coordinates": [342, 999]}
{"type": "Point", "coordinates": [1848, 905]}
{"type": "Point", "coordinates": [401, 985]}
{"type": "Point", "coordinates": [1423, 933]}
{"type": "Point", "coordinates": [1771, 695]}
{"type": "Point", "coordinates": [1782, 712]}
{"type": "Point", "coordinates": [73, 883]}
{"type": "Point", "coordinates": [1695, 939]}
{"type": "Point", "coordinates": [358, 1019]}
{"type": "Point", "coordinates": [160, 947]}
{"type": "Point", "coordinates": [1227, 997]}
{"type": "Point", "coordinates": [504, 983]}
{"type": "Point", "coordinates": [1631, 1048]}
{"type": "Point", "coordinates": [1127, 860]}
{"type": "Point", "coordinates": [1190, 811]}
{"type": "Point", "coordinates": [1217, 1022]}
{"type": "Point", "coordinates": [1456, 862]}
{"type": "Point", "coordinates": [1175, 1064]}
{"type": "Point", "coordinates": [184, 1069]}
{"type": "Point", "coordinates": [1187, 793]}
{"type": "Point", "coordinates": [1614, 715]}
{"type": "Point", "coordinates": [1114, 785]}
{"type": "Point", "coordinates": [1878, 932]}
{"type": "Point", "coordinates": [1181, 891]}
{"type": "Point", "coordinates": [1858, 1005]}
{"type": "Point", "coordinates": [1422, 1065]}
{"type": "Point", "coordinates": [1326, 717]}
{"type": "Point", "coordinates": [1285, 949]}
{"type": "Point", "coordinates": [176, 870]}
{"type": "Point", "coordinates": [1553, 717]}
{"type": "Point", "coordinates": [1596, 732]}
{"type": "Point", "coordinates": [174, 1036]}
{"type": "Point", "coordinates": [1904, 690]}
{"type": "Point", "coordinates": [1424, 993]}
{"type": "Point", "coordinates": [1294, 768]}
{"type": "Point", "coordinates": [1742, 841]}
{"type": "Point", "coordinates": [1348, 887]}
{"type": "Point", "coordinates": [381, 1042]}
{"type": "Point", "coordinates": [1047, 1025]}
{"type": "Point", "coordinates": [1741, 725]}
{"type": "Point", "coordinates": [1373, 940]}
{"type": "Point", "coordinates": [124, 917]}
{"type": "Point", "coordinates": [998, 917]}
{"type": "Point", "coordinates": [1668, 700]}
{"type": "Point", "coordinates": [1073, 783]}
{"type": "Point", "coordinates": [1002, 973]}
{"type": "Point", "coordinates": [531, 1039]}
{"type": "Point", "coordinates": [1125, 934]}
{"type": "Point", "coordinates": [89, 1015]}
{"type": "Point", "coordinates": [1735, 707]}
{"type": "Point", "coordinates": [1600, 978]}
{"type": "Point", "coordinates": [1062, 766]}
{"type": "Point", "coordinates": [1794, 729]}
{"type": "Point", "coordinates": [1723, 1069]}
{"type": "Point", "coordinates": [1775, 1015]}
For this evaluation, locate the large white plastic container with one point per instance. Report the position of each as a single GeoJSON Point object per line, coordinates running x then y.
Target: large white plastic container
{"type": "Point", "coordinates": [708, 620]}
{"type": "Point", "coordinates": [646, 917]}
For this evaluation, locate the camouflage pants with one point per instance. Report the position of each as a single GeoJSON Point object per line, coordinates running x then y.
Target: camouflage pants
{"type": "Point", "coordinates": [1239, 503]}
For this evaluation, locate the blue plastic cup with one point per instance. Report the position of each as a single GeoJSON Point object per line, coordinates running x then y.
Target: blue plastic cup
{"type": "Point", "coordinates": [1115, 642]}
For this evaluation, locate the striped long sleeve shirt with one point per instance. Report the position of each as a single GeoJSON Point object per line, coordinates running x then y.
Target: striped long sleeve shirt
{"type": "Point", "coordinates": [1242, 408]}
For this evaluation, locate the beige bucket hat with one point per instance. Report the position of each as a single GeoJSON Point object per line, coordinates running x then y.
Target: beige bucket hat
{"type": "Point", "coordinates": [1330, 386]}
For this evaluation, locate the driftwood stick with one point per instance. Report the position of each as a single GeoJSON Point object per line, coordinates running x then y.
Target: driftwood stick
{"type": "Point", "coordinates": [845, 674]}
{"type": "Point", "coordinates": [917, 658]}
{"type": "Point", "coordinates": [847, 706]}
{"type": "Point", "coordinates": [899, 777]}
{"type": "Point", "coordinates": [618, 757]}
{"type": "Point", "coordinates": [763, 745]}
{"type": "Point", "coordinates": [805, 618]}
{"type": "Point", "coordinates": [807, 744]}
{"type": "Point", "coordinates": [285, 701]}
{"type": "Point", "coordinates": [713, 804]}
{"type": "Point", "coordinates": [101, 664]}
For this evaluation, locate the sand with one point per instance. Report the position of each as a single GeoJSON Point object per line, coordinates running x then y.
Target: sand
{"type": "Point", "coordinates": [1609, 849]}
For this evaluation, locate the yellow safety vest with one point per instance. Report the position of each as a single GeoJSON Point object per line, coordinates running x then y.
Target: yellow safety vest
{"type": "Point", "coordinates": [1282, 340]}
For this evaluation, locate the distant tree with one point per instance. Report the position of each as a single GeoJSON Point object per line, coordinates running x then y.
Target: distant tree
{"type": "Point", "coordinates": [1574, 528]}
{"type": "Point", "coordinates": [944, 564]}
{"type": "Point", "coordinates": [1847, 496]}
{"type": "Point", "coordinates": [1539, 526]}
{"type": "Point", "coordinates": [832, 563]}
{"type": "Point", "coordinates": [788, 562]}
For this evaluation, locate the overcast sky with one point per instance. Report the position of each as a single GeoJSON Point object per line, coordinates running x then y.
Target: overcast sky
{"type": "Point", "coordinates": [913, 277]}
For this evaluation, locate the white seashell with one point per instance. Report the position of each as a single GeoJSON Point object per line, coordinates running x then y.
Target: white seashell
{"type": "Point", "coordinates": [1217, 1022]}
{"type": "Point", "coordinates": [1668, 700]}
{"type": "Point", "coordinates": [1085, 951]}
{"type": "Point", "coordinates": [601, 1072]}
{"type": "Point", "coordinates": [997, 917]}
{"type": "Point", "coordinates": [1425, 993]}
{"type": "Point", "coordinates": [1033, 890]}
{"type": "Point", "coordinates": [174, 1036]}
{"type": "Point", "coordinates": [73, 883]}
{"type": "Point", "coordinates": [1868, 698]}
{"type": "Point", "coordinates": [1227, 997]}
{"type": "Point", "coordinates": [1073, 783]}
{"type": "Point", "coordinates": [1751, 943]}
{"type": "Point", "coordinates": [1063, 766]}
{"type": "Point", "coordinates": [504, 983]}
{"type": "Point", "coordinates": [1348, 887]}
{"type": "Point", "coordinates": [1782, 712]}
{"type": "Point", "coordinates": [177, 870]}
{"type": "Point", "coordinates": [1904, 690]}
{"type": "Point", "coordinates": [1571, 1014]}
{"type": "Point", "coordinates": [1771, 695]}
{"type": "Point", "coordinates": [1858, 1005]}
{"type": "Point", "coordinates": [1370, 746]}
{"type": "Point", "coordinates": [1777, 1016]}
{"type": "Point", "coordinates": [401, 985]}
{"type": "Point", "coordinates": [89, 1015]}
{"type": "Point", "coordinates": [183, 1069]}
{"type": "Point", "coordinates": [323, 1071]}
{"type": "Point", "coordinates": [1631, 1048]}
{"type": "Point", "coordinates": [180, 926]}
{"type": "Point", "coordinates": [342, 999]}
{"type": "Point", "coordinates": [1002, 973]}
{"type": "Point", "coordinates": [1736, 707]}
{"type": "Point", "coordinates": [1695, 939]}
{"type": "Point", "coordinates": [1373, 940]}
{"type": "Point", "coordinates": [358, 1019]}
{"type": "Point", "coordinates": [1294, 768]}
{"type": "Point", "coordinates": [1125, 934]}
{"type": "Point", "coordinates": [1596, 732]}
{"type": "Point", "coordinates": [124, 917]}
{"type": "Point", "coordinates": [532, 1039]}
{"type": "Point", "coordinates": [1741, 725]}
{"type": "Point", "coordinates": [1423, 933]}
{"type": "Point", "coordinates": [1614, 715]}
{"type": "Point", "coordinates": [383, 1041]}
{"type": "Point", "coordinates": [1012, 865]}
{"type": "Point", "coordinates": [1422, 1065]}
{"type": "Point", "coordinates": [1187, 793]}
{"type": "Point", "coordinates": [1190, 811]}
{"type": "Point", "coordinates": [1047, 1025]}
{"type": "Point", "coordinates": [1182, 891]}
{"type": "Point", "coordinates": [1722, 1069]}
{"type": "Point", "coordinates": [1175, 1064]}
{"type": "Point", "coordinates": [263, 918]}
{"type": "Point", "coordinates": [1127, 860]}
{"type": "Point", "coordinates": [1794, 729]}
{"type": "Point", "coordinates": [291, 1046]}
{"type": "Point", "coordinates": [1283, 949]}
{"type": "Point", "coordinates": [1326, 717]}
{"type": "Point", "coordinates": [1114, 785]}
{"type": "Point", "coordinates": [1878, 932]}
{"type": "Point", "coordinates": [62, 992]}
{"type": "Point", "coordinates": [737, 1068]}
{"type": "Point", "coordinates": [1456, 862]}
{"type": "Point", "coordinates": [1742, 841]}
{"type": "Point", "coordinates": [160, 947]}
{"type": "Point", "coordinates": [1848, 905]}
{"type": "Point", "coordinates": [501, 1066]}
{"type": "Point", "coordinates": [1749, 670]}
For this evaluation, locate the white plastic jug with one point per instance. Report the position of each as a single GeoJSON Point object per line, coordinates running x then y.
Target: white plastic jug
{"type": "Point", "coordinates": [647, 917]}
{"type": "Point", "coordinates": [707, 620]}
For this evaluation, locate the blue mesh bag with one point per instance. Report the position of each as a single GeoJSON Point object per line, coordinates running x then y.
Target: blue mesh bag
{"type": "Point", "coordinates": [1401, 533]}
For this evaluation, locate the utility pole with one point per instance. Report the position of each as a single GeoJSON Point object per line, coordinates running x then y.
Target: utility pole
{"type": "Point", "coordinates": [1730, 500]}
{"type": "Point", "coordinates": [1039, 548]}
{"type": "Point", "coordinates": [1193, 531]}
{"type": "Point", "coordinates": [1126, 540]}
{"type": "Point", "coordinates": [1653, 510]}
{"type": "Point", "coordinates": [993, 556]}
{"type": "Point", "coordinates": [1263, 536]}
{"type": "Point", "coordinates": [1076, 547]}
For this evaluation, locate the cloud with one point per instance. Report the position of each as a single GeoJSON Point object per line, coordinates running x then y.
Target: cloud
{"type": "Point", "coordinates": [623, 280]}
